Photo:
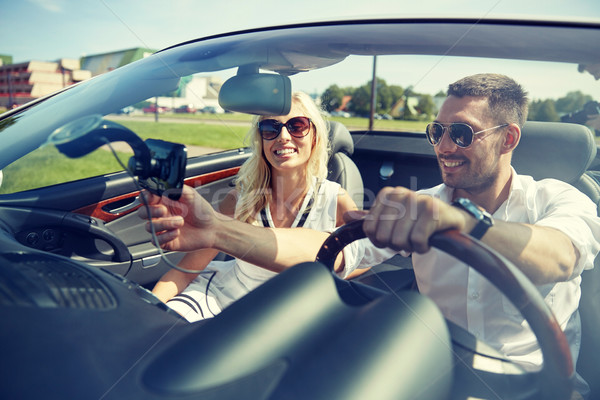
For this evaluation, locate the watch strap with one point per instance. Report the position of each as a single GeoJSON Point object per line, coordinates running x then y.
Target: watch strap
{"type": "Point", "coordinates": [480, 229]}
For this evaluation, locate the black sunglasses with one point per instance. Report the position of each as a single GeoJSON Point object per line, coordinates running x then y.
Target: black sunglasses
{"type": "Point", "coordinates": [461, 134]}
{"type": "Point", "coordinates": [298, 127]}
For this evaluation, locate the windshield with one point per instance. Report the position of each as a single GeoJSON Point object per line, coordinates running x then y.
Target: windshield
{"type": "Point", "coordinates": [174, 94]}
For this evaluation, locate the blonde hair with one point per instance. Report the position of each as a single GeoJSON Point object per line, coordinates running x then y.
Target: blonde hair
{"type": "Point", "coordinates": [253, 182]}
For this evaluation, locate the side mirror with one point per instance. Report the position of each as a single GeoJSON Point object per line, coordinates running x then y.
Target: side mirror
{"type": "Point", "coordinates": [255, 93]}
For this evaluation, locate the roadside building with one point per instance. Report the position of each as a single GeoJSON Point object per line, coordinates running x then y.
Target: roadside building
{"type": "Point", "coordinates": [26, 81]}
{"type": "Point", "coordinates": [23, 82]}
{"type": "Point", "coordinates": [98, 64]}
{"type": "Point", "coordinates": [198, 92]}
{"type": "Point", "coordinates": [194, 92]}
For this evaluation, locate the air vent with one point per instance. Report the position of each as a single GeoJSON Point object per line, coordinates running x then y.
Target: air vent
{"type": "Point", "coordinates": [49, 281]}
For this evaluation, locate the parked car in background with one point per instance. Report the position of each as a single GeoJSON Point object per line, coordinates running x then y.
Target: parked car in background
{"type": "Point", "coordinates": [185, 109]}
{"type": "Point", "coordinates": [152, 109]}
{"type": "Point", "coordinates": [126, 110]}
{"type": "Point", "coordinates": [343, 114]}
{"type": "Point", "coordinates": [212, 110]}
{"type": "Point", "coordinates": [77, 261]}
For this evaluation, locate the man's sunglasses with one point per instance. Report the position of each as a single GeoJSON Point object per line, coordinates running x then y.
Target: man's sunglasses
{"type": "Point", "coordinates": [461, 134]}
{"type": "Point", "coordinates": [298, 127]}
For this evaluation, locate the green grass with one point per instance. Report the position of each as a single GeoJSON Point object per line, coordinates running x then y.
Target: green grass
{"type": "Point", "coordinates": [351, 123]}
{"type": "Point", "coordinates": [207, 117]}
{"type": "Point", "coordinates": [46, 166]}
{"type": "Point", "coordinates": [383, 124]}
{"type": "Point", "coordinates": [196, 134]}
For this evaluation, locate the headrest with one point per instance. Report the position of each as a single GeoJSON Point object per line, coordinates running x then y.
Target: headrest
{"type": "Point", "coordinates": [554, 150]}
{"type": "Point", "coordinates": [340, 138]}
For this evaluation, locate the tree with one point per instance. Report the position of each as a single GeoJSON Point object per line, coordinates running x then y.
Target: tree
{"type": "Point", "coordinates": [406, 112]}
{"type": "Point", "coordinates": [543, 110]}
{"type": "Point", "coordinates": [426, 105]}
{"type": "Point", "coordinates": [332, 98]}
{"type": "Point", "coordinates": [389, 95]}
{"type": "Point", "coordinates": [573, 101]}
{"type": "Point", "coordinates": [361, 101]}
{"type": "Point", "coordinates": [385, 99]}
{"type": "Point", "coordinates": [397, 93]}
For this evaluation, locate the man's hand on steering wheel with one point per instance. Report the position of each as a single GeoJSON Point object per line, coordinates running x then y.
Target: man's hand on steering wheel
{"type": "Point", "coordinates": [401, 219]}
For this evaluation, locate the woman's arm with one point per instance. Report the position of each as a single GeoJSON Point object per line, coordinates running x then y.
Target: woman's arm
{"type": "Point", "coordinates": [344, 204]}
{"type": "Point", "coordinates": [174, 281]}
{"type": "Point", "coordinates": [191, 224]}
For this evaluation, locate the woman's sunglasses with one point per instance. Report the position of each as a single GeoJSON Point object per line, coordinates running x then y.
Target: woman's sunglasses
{"type": "Point", "coordinates": [461, 134]}
{"type": "Point", "coordinates": [298, 127]}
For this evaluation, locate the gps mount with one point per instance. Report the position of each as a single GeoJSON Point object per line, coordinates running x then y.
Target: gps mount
{"type": "Point", "coordinates": [159, 165]}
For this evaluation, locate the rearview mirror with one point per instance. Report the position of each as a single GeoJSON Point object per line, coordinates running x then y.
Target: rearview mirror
{"type": "Point", "coordinates": [255, 93]}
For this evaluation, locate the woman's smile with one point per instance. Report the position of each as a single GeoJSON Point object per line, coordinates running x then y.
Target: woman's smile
{"type": "Point", "coordinates": [285, 151]}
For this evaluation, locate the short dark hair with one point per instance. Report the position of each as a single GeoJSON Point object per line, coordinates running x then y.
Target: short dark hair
{"type": "Point", "coordinates": [506, 98]}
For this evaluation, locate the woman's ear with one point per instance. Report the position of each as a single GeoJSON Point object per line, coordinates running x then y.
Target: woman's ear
{"type": "Point", "coordinates": [511, 138]}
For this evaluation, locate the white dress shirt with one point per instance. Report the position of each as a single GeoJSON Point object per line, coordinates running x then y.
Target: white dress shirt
{"type": "Point", "coordinates": [468, 299]}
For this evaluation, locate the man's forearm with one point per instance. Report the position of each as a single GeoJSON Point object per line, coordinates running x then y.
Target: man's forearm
{"type": "Point", "coordinates": [544, 254]}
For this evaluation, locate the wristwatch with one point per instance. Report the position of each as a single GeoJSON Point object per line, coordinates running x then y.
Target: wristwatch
{"type": "Point", "coordinates": [484, 219]}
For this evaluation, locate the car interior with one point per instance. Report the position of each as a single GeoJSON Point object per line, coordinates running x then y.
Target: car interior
{"type": "Point", "coordinates": [78, 261]}
{"type": "Point", "coordinates": [577, 151]}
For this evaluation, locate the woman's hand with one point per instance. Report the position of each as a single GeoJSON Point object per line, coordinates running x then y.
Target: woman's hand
{"type": "Point", "coordinates": [187, 224]}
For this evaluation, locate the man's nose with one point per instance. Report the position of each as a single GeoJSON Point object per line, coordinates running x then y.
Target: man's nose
{"type": "Point", "coordinates": [446, 145]}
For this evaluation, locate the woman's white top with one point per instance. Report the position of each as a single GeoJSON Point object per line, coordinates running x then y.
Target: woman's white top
{"type": "Point", "coordinates": [223, 282]}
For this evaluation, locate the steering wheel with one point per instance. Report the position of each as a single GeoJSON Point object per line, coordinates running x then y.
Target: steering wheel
{"type": "Point", "coordinates": [557, 371]}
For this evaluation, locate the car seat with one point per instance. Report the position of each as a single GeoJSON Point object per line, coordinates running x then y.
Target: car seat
{"type": "Point", "coordinates": [566, 151]}
{"type": "Point", "coordinates": [341, 168]}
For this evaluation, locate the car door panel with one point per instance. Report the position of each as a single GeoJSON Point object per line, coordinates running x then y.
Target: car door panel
{"type": "Point", "coordinates": [105, 209]}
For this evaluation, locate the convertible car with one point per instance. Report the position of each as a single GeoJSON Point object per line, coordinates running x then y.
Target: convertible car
{"type": "Point", "coordinates": [77, 264]}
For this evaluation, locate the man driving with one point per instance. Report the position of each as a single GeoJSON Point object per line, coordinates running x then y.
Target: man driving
{"type": "Point", "coordinates": [547, 228]}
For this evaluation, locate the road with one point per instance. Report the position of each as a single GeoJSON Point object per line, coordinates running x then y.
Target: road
{"type": "Point", "coordinates": [193, 151]}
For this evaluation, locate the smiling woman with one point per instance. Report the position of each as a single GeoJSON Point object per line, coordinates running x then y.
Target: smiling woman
{"type": "Point", "coordinates": [281, 185]}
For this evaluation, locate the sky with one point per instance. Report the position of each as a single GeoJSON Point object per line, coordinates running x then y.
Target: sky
{"type": "Point", "coordinates": [52, 29]}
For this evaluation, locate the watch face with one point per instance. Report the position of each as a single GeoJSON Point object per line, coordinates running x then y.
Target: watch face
{"type": "Point", "coordinates": [484, 219]}
{"type": "Point", "coordinates": [473, 209]}
{"type": "Point", "coordinates": [468, 206]}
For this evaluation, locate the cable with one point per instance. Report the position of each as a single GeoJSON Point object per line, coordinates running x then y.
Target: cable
{"type": "Point", "coordinates": [121, 164]}
{"type": "Point", "coordinates": [206, 293]}
{"type": "Point", "coordinates": [152, 229]}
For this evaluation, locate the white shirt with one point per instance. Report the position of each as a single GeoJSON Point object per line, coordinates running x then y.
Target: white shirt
{"type": "Point", "coordinates": [468, 299]}
{"type": "Point", "coordinates": [223, 282]}
{"type": "Point", "coordinates": [322, 216]}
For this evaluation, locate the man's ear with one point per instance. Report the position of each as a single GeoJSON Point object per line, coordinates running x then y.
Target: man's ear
{"type": "Point", "coordinates": [511, 138]}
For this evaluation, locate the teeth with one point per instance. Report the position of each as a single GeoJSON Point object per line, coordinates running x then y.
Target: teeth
{"type": "Point", "coordinates": [451, 164]}
{"type": "Point", "coordinates": [284, 151]}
